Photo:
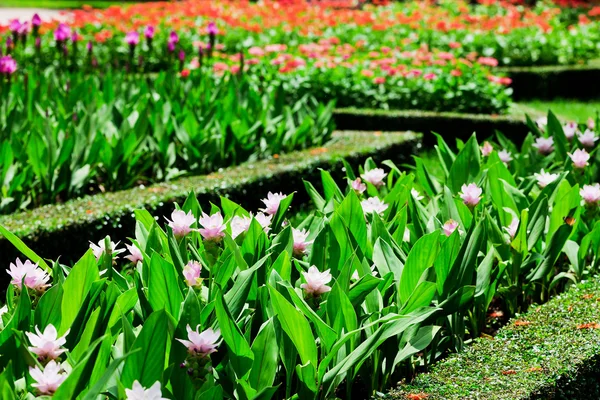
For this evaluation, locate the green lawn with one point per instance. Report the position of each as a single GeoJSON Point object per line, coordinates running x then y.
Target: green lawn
{"type": "Point", "coordinates": [572, 110]}
{"type": "Point", "coordinates": [60, 4]}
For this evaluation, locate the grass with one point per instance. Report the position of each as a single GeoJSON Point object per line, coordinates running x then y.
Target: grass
{"type": "Point", "coordinates": [571, 110]}
{"type": "Point", "coordinates": [59, 4]}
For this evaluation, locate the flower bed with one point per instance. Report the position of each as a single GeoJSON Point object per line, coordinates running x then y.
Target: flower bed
{"type": "Point", "coordinates": [391, 272]}
{"type": "Point", "coordinates": [65, 135]}
{"type": "Point", "coordinates": [551, 352]}
{"type": "Point", "coordinates": [52, 229]}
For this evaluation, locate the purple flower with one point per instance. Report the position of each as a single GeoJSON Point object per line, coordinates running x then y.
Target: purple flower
{"type": "Point", "coordinates": [14, 26]}
{"type": "Point", "coordinates": [181, 55]}
{"type": "Point", "coordinates": [62, 32]}
{"type": "Point", "coordinates": [171, 46]}
{"type": "Point", "coordinates": [191, 273]}
{"type": "Point", "coordinates": [8, 65]}
{"type": "Point", "coordinates": [90, 46]}
{"type": "Point", "coordinates": [38, 42]}
{"type": "Point", "coordinates": [173, 37]}
{"type": "Point", "coordinates": [212, 29]}
{"type": "Point", "coordinates": [132, 38]}
{"type": "Point", "coordinates": [36, 21]}
{"type": "Point", "coordinates": [181, 223]}
{"type": "Point", "coordinates": [213, 227]}
{"type": "Point", "coordinates": [48, 380]}
{"type": "Point", "coordinates": [24, 29]}
{"type": "Point", "coordinates": [201, 344]}
{"type": "Point", "coordinates": [580, 158]}
{"type": "Point", "coordinates": [300, 242]}
{"type": "Point", "coordinates": [30, 274]}
{"type": "Point", "coordinates": [47, 345]}
{"type": "Point", "coordinates": [316, 282]}
{"type": "Point", "coordinates": [471, 194]}
{"type": "Point", "coordinates": [358, 186]}
{"type": "Point", "coordinates": [149, 32]}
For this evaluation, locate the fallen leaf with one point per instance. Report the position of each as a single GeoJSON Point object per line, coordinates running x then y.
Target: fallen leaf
{"type": "Point", "coordinates": [591, 325]}
{"type": "Point", "coordinates": [521, 322]}
{"type": "Point", "coordinates": [509, 372]}
{"type": "Point", "coordinates": [417, 396]}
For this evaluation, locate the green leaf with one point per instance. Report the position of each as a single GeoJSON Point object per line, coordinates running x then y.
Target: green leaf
{"type": "Point", "coordinates": [163, 286]}
{"type": "Point", "coordinates": [266, 355]}
{"type": "Point", "coordinates": [77, 285]}
{"type": "Point", "coordinates": [151, 349]}
{"type": "Point", "coordinates": [466, 166]}
{"type": "Point", "coordinates": [26, 251]}
{"type": "Point", "coordinates": [421, 257]}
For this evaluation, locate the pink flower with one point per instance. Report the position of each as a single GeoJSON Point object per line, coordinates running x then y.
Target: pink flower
{"type": "Point", "coordinates": [449, 227]}
{"type": "Point", "coordinates": [213, 227]}
{"type": "Point", "coordinates": [580, 158]}
{"type": "Point", "coordinates": [239, 225]}
{"type": "Point", "coordinates": [47, 345]}
{"type": "Point", "coordinates": [591, 124]}
{"type": "Point", "coordinates": [149, 32]}
{"type": "Point", "coordinates": [374, 176]}
{"type": "Point", "coordinates": [544, 145]}
{"type": "Point", "coordinates": [8, 65]}
{"type": "Point", "coordinates": [138, 392]}
{"type": "Point", "coordinates": [588, 138]}
{"type": "Point", "coordinates": [358, 186]}
{"type": "Point", "coordinates": [36, 20]}
{"type": "Point", "coordinates": [316, 282]}
{"type": "Point", "coordinates": [505, 156]}
{"type": "Point", "coordinates": [590, 194]}
{"type": "Point", "coordinates": [62, 32]}
{"type": "Point", "coordinates": [429, 76]}
{"type": "Point", "coordinates": [14, 26]}
{"type": "Point", "coordinates": [545, 178]}
{"type": "Point", "coordinates": [191, 273]}
{"type": "Point", "coordinates": [486, 149]}
{"type": "Point", "coordinates": [132, 38]}
{"type": "Point", "coordinates": [272, 202]}
{"type": "Point", "coordinates": [512, 228]}
{"type": "Point", "coordinates": [256, 51]}
{"type": "Point", "coordinates": [300, 242]}
{"type": "Point", "coordinates": [201, 344]}
{"type": "Point", "coordinates": [570, 130]}
{"type": "Point", "coordinates": [135, 254]}
{"type": "Point", "coordinates": [471, 194]}
{"type": "Point", "coordinates": [264, 221]}
{"type": "Point", "coordinates": [48, 380]}
{"type": "Point", "coordinates": [34, 277]}
{"type": "Point", "coordinates": [373, 205]}
{"type": "Point", "coordinates": [181, 223]}
{"type": "Point", "coordinates": [489, 61]}
{"type": "Point", "coordinates": [100, 248]}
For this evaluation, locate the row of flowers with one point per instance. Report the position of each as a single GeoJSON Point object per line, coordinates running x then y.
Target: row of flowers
{"type": "Point", "coordinates": [389, 271]}
{"type": "Point", "coordinates": [513, 35]}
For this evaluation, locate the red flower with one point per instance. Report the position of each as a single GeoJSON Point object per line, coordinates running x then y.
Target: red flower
{"type": "Point", "coordinates": [185, 73]}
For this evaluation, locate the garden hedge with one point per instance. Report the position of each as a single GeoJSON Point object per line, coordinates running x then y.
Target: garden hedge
{"type": "Point", "coordinates": [546, 83]}
{"type": "Point", "coordinates": [64, 230]}
{"type": "Point", "coordinates": [551, 352]}
{"type": "Point", "coordinates": [447, 124]}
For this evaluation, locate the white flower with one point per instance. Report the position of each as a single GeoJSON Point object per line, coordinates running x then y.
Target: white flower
{"type": "Point", "coordinates": [100, 248]}
{"type": "Point", "coordinates": [590, 194]}
{"type": "Point", "coordinates": [375, 176]}
{"type": "Point", "coordinates": [264, 220]}
{"type": "Point", "coordinates": [373, 205]}
{"type": "Point", "coordinates": [316, 281]}
{"type": "Point", "coordinates": [48, 380]}
{"type": "Point", "coordinates": [486, 149]}
{"type": "Point", "coordinates": [300, 242]}
{"type": "Point", "coordinates": [544, 145]}
{"type": "Point", "coordinates": [181, 223]}
{"type": "Point", "coordinates": [545, 178]}
{"type": "Point", "coordinates": [505, 156]}
{"type": "Point", "coordinates": [203, 343]}
{"type": "Point", "coordinates": [542, 122]}
{"type": "Point", "coordinates": [138, 392]}
{"type": "Point", "coordinates": [3, 311]}
{"type": "Point", "coordinates": [213, 227]}
{"type": "Point", "coordinates": [580, 158]}
{"type": "Point", "coordinates": [135, 254]}
{"type": "Point", "coordinates": [570, 130]}
{"type": "Point", "coordinates": [416, 195]}
{"type": "Point", "coordinates": [239, 225]}
{"type": "Point", "coordinates": [512, 228]}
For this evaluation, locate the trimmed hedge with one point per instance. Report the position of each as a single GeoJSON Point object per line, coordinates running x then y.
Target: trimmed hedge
{"type": "Point", "coordinates": [447, 124]}
{"type": "Point", "coordinates": [551, 352]}
{"type": "Point", "coordinates": [64, 230]}
{"type": "Point", "coordinates": [546, 83]}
